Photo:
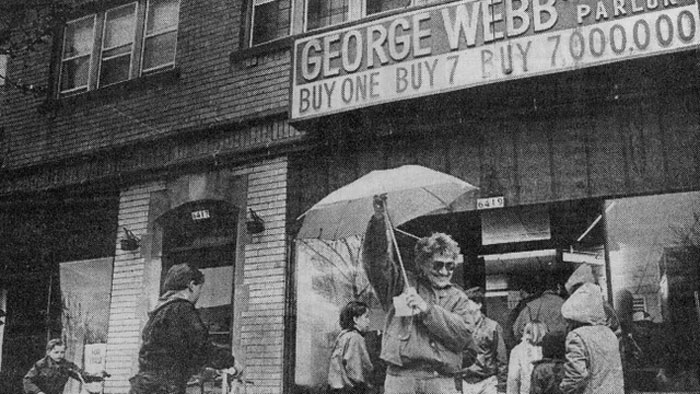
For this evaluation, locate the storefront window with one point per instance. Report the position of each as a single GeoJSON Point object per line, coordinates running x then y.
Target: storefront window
{"type": "Point", "coordinates": [203, 234]}
{"type": "Point", "coordinates": [654, 251]}
{"type": "Point", "coordinates": [85, 297]}
{"type": "Point", "coordinates": [329, 275]}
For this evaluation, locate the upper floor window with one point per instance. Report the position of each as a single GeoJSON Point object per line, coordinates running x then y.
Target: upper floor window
{"type": "Point", "coordinates": [118, 44]}
{"type": "Point", "coordinates": [270, 20]}
{"type": "Point", "coordinates": [273, 19]}
{"type": "Point", "coordinates": [322, 13]}
{"type": "Point", "coordinates": [78, 38]}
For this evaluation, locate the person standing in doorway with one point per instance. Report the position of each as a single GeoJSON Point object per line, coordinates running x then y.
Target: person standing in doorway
{"type": "Point", "coordinates": [175, 340]}
{"type": "Point", "coordinates": [423, 350]}
{"type": "Point", "coordinates": [585, 274]}
{"type": "Point", "coordinates": [527, 292]}
{"type": "Point", "coordinates": [546, 309]}
{"type": "Point", "coordinates": [593, 364]}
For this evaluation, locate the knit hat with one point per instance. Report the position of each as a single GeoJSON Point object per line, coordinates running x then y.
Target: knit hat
{"type": "Point", "coordinates": [179, 277]}
{"type": "Point", "coordinates": [583, 274]}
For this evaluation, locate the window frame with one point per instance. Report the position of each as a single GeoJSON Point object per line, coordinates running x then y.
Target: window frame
{"type": "Point", "coordinates": [251, 26]}
{"type": "Point", "coordinates": [136, 53]}
{"type": "Point", "coordinates": [357, 9]}
{"type": "Point", "coordinates": [63, 60]}
{"type": "Point", "coordinates": [145, 37]}
{"type": "Point", "coordinates": [102, 49]}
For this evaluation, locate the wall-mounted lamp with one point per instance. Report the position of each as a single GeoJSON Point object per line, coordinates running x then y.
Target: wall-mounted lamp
{"type": "Point", "coordinates": [255, 224]}
{"type": "Point", "coordinates": [131, 242]}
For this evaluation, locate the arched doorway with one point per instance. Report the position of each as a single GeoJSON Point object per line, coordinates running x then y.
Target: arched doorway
{"type": "Point", "coordinates": [203, 233]}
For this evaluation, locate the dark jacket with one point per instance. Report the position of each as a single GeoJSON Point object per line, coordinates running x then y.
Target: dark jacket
{"type": "Point", "coordinates": [175, 347]}
{"type": "Point", "coordinates": [546, 376]}
{"type": "Point", "coordinates": [546, 309]}
{"type": "Point", "coordinates": [434, 339]}
{"type": "Point", "coordinates": [49, 376]}
{"type": "Point", "coordinates": [488, 351]}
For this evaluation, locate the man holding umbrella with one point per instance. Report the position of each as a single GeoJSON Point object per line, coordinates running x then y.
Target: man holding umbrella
{"type": "Point", "coordinates": [428, 322]}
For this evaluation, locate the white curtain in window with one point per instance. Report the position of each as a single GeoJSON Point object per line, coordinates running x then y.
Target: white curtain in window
{"type": "Point", "coordinates": [85, 295]}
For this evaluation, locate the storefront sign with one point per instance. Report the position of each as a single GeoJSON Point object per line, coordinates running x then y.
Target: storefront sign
{"type": "Point", "coordinates": [468, 43]}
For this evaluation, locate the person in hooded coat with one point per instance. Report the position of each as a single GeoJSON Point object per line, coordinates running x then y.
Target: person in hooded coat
{"type": "Point", "coordinates": [584, 274]}
{"type": "Point", "coordinates": [175, 340]}
{"type": "Point", "coordinates": [593, 364]}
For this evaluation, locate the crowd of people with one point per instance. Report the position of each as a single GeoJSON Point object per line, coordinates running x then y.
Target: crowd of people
{"type": "Point", "coordinates": [448, 345]}
{"type": "Point", "coordinates": [436, 337]}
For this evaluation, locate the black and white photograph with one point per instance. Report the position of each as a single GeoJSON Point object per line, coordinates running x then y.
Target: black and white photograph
{"type": "Point", "coordinates": [349, 196]}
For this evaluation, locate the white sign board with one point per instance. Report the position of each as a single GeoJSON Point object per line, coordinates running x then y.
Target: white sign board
{"type": "Point", "coordinates": [462, 44]}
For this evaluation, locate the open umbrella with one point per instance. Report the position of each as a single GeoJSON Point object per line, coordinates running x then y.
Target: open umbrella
{"type": "Point", "coordinates": [411, 190]}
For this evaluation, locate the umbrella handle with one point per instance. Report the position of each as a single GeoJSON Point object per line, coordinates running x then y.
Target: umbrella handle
{"type": "Point", "coordinates": [396, 245]}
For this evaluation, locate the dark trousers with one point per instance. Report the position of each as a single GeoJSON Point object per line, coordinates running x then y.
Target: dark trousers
{"type": "Point", "coordinates": [154, 383]}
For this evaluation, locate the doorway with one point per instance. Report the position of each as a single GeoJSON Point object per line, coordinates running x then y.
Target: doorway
{"type": "Point", "coordinates": [203, 234]}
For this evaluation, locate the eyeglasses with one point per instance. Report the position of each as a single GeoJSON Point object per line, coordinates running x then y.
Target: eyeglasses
{"type": "Point", "coordinates": [439, 265]}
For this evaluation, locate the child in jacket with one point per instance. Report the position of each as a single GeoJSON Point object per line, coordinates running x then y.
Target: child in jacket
{"type": "Point", "coordinates": [50, 374]}
{"type": "Point", "coordinates": [522, 357]}
{"type": "Point", "coordinates": [350, 366]}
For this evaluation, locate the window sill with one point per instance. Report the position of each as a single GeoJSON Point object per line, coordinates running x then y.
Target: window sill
{"type": "Point", "coordinates": [250, 54]}
{"type": "Point", "coordinates": [118, 90]}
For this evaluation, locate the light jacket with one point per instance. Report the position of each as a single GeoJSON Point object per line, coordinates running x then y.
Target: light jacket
{"type": "Point", "coordinates": [435, 338]}
{"type": "Point", "coordinates": [593, 363]}
{"type": "Point", "coordinates": [520, 367]}
{"type": "Point", "coordinates": [350, 364]}
{"type": "Point", "coordinates": [584, 274]}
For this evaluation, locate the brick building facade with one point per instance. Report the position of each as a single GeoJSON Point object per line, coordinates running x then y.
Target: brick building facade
{"type": "Point", "coordinates": [177, 122]}
{"type": "Point", "coordinates": [189, 116]}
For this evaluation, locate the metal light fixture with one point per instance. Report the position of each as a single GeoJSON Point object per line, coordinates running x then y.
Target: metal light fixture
{"type": "Point", "coordinates": [130, 242]}
{"type": "Point", "coordinates": [255, 224]}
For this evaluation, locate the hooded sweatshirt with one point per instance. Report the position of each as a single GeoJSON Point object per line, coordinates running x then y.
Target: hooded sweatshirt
{"type": "Point", "coordinates": [593, 363]}
{"type": "Point", "coordinates": [584, 274]}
